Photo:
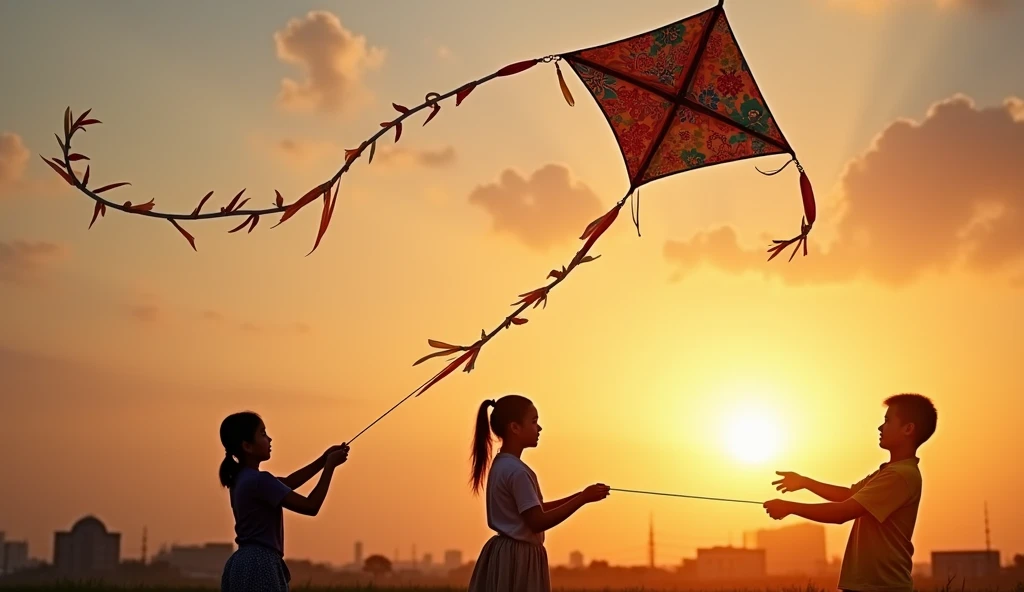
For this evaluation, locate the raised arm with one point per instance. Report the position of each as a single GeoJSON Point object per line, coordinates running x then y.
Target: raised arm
{"type": "Point", "coordinates": [795, 482]}
{"type": "Point", "coordinates": [538, 519]}
{"type": "Point", "coordinates": [830, 513]}
{"type": "Point", "coordinates": [310, 505]}
{"type": "Point", "coordinates": [548, 506]}
{"type": "Point", "coordinates": [303, 475]}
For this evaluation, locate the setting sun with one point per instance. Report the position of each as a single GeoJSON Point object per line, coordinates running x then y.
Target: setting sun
{"type": "Point", "coordinates": [752, 437]}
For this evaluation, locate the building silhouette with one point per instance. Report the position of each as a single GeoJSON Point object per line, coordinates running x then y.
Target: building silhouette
{"type": "Point", "coordinates": [452, 559]}
{"type": "Point", "coordinates": [798, 549]}
{"type": "Point", "coordinates": [719, 563]}
{"type": "Point", "coordinates": [86, 549]}
{"type": "Point", "coordinates": [15, 557]}
{"type": "Point", "coordinates": [197, 561]}
{"type": "Point", "coordinates": [964, 564]}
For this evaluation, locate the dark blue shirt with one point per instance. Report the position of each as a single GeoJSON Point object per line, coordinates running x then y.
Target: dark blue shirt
{"type": "Point", "coordinates": [256, 504]}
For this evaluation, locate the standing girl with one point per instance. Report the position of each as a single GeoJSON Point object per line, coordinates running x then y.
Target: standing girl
{"type": "Point", "coordinates": [514, 559]}
{"type": "Point", "coordinates": [257, 499]}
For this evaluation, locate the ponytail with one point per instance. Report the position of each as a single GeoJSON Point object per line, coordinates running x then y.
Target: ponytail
{"type": "Point", "coordinates": [229, 469]}
{"type": "Point", "coordinates": [481, 445]}
{"type": "Point", "coordinates": [236, 429]}
{"type": "Point", "coordinates": [508, 409]}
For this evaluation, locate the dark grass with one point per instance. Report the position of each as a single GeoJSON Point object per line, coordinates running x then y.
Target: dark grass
{"type": "Point", "coordinates": [103, 587]}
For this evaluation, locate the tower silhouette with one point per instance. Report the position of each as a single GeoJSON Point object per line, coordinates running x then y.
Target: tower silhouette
{"type": "Point", "coordinates": [988, 541]}
{"type": "Point", "coordinates": [144, 545]}
{"type": "Point", "coordinates": [650, 541]}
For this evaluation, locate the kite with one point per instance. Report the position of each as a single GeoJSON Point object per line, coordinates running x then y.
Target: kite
{"type": "Point", "coordinates": [677, 98]}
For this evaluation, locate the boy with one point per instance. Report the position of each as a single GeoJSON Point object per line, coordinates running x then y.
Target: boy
{"type": "Point", "coordinates": [883, 505]}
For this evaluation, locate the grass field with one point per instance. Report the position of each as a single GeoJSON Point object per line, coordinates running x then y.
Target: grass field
{"type": "Point", "coordinates": [1012, 584]}
{"type": "Point", "coordinates": [84, 587]}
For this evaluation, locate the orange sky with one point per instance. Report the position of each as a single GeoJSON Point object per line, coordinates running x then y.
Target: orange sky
{"type": "Point", "coordinates": [122, 349]}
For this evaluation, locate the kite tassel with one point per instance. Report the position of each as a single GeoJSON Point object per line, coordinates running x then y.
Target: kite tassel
{"type": "Point", "coordinates": [561, 79]}
{"type": "Point", "coordinates": [806, 223]}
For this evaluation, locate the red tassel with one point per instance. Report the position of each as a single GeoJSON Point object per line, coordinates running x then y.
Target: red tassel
{"type": "Point", "coordinates": [810, 212]}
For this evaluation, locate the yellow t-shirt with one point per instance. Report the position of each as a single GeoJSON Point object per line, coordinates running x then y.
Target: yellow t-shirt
{"type": "Point", "coordinates": [879, 554]}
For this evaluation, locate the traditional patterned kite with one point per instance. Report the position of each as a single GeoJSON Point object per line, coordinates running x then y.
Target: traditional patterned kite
{"type": "Point", "coordinates": [677, 98]}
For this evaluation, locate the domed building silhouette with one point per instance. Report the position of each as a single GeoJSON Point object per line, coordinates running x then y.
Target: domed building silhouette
{"type": "Point", "coordinates": [87, 548]}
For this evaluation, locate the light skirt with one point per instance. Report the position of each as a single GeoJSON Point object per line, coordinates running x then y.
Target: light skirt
{"type": "Point", "coordinates": [510, 565]}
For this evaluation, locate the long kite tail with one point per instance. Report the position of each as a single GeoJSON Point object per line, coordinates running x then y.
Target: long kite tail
{"type": "Point", "coordinates": [63, 166]}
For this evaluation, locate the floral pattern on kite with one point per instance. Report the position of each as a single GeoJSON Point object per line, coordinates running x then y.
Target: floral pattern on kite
{"type": "Point", "coordinates": [659, 58]}
{"type": "Point", "coordinates": [723, 83]}
{"type": "Point", "coordinates": [636, 116]}
{"type": "Point", "coordinates": [694, 140]}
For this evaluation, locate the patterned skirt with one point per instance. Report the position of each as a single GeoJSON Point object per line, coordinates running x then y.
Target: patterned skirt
{"type": "Point", "coordinates": [254, 568]}
{"type": "Point", "coordinates": [510, 565]}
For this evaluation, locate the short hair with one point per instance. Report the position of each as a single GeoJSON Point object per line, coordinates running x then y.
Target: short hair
{"type": "Point", "coordinates": [918, 410]}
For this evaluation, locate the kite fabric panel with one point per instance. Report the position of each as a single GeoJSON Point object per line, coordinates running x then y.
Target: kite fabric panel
{"type": "Point", "coordinates": [679, 98]}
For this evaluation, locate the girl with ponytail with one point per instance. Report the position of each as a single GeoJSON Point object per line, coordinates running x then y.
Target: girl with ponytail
{"type": "Point", "coordinates": [515, 559]}
{"type": "Point", "coordinates": [257, 501]}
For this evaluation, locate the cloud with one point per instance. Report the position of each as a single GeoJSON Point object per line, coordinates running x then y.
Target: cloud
{"type": "Point", "coordinates": [878, 6]}
{"type": "Point", "coordinates": [1015, 107]}
{"type": "Point", "coordinates": [219, 318]}
{"type": "Point", "coordinates": [944, 193]}
{"type": "Point", "coordinates": [334, 61]}
{"type": "Point", "coordinates": [542, 211]}
{"type": "Point", "coordinates": [145, 307]}
{"type": "Point", "coordinates": [148, 308]}
{"type": "Point", "coordinates": [14, 158]}
{"type": "Point", "coordinates": [400, 157]}
{"type": "Point", "coordinates": [144, 313]}
{"type": "Point", "coordinates": [24, 262]}
{"type": "Point", "coordinates": [303, 154]}
{"type": "Point", "coordinates": [14, 177]}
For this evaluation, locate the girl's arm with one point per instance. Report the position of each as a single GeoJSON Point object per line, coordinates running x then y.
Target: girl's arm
{"type": "Point", "coordinates": [538, 519]}
{"type": "Point", "coordinates": [548, 506]}
{"type": "Point", "coordinates": [310, 506]}
{"type": "Point", "coordinates": [301, 476]}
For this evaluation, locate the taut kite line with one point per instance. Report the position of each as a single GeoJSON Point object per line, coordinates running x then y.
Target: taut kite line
{"type": "Point", "coordinates": [677, 98]}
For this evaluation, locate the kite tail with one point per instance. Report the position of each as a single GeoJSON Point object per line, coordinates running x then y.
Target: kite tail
{"type": "Point", "coordinates": [806, 223]}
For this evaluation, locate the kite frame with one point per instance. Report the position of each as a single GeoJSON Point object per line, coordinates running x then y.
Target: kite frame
{"type": "Point", "coordinates": [679, 99]}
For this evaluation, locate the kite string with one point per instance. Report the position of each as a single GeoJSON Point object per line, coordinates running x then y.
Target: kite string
{"type": "Point", "coordinates": [635, 215]}
{"type": "Point", "coordinates": [700, 497]}
{"type": "Point", "coordinates": [395, 406]}
{"type": "Point", "coordinates": [485, 337]}
{"type": "Point", "coordinates": [780, 169]}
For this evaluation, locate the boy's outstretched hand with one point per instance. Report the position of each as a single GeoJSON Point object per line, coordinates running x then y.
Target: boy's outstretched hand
{"type": "Point", "coordinates": [595, 493]}
{"type": "Point", "coordinates": [790, 482]}
{"type": "Point", "coordinates": [777, 509]}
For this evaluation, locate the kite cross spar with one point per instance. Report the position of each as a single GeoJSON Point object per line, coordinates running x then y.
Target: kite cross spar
{"type": "Point", "coordinates": [677, 98]}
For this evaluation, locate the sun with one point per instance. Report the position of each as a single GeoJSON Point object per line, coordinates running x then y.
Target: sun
{"type": "Point", "coordinates": [752, 437]}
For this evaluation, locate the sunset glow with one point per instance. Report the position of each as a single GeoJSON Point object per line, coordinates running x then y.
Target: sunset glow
{"type": "Point", "coordinates": [679, 360]}
{"type": "Point", "coordinates": [752, 438]}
